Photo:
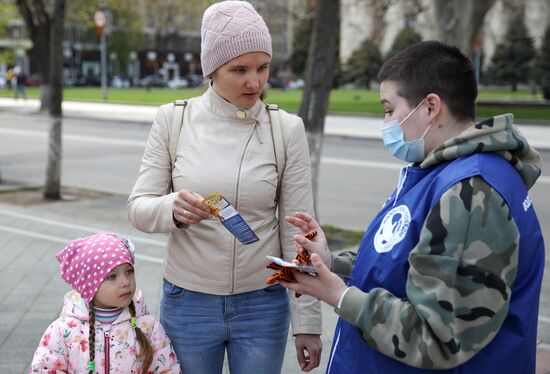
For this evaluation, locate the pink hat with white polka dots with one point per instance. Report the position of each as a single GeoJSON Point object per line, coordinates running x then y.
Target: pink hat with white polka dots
{"type": "Point", "coordinates": [85, 262]}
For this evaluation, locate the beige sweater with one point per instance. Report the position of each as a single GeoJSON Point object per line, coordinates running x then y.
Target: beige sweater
{"type": "Point", "coordinates": [218, 152]}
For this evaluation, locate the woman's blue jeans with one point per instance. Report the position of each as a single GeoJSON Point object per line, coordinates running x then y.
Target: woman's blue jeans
{"type": "Point", "coordinates": [252, 326]}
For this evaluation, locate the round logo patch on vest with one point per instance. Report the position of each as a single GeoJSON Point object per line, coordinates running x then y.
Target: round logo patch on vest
{"type": "Point", "coordinates": [393, 229]}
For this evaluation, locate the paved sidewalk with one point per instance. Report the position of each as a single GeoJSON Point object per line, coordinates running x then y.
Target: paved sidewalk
{"type": "Point", "coordinates": [339, 125]}
{"type": "Point", "coordinates": [32, 291]}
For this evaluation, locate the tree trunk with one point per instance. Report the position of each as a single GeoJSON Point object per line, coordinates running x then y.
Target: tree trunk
{"type": "Point", "coordinates": [318, 77]}
{"type": "Point", "coordinates": [53, 174]}
{"type": "Point", "coordinates": [43, 52]}
{"type": "Point", "coordinates": [458, 21]}
{"type": "Point", "coordinates": [37, 21]}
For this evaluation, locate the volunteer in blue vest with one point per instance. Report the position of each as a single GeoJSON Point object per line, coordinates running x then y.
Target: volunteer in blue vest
{"type": "Point", "coordinates": [448, 274]}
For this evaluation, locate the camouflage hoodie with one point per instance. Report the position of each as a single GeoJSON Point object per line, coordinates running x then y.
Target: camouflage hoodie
{"type": "Point", "coordinates": [413, 319]}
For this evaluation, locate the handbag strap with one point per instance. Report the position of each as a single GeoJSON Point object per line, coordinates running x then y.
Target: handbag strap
{"type": "Point", "coordinates": [174, 134]}
{"type": "Point", "coordinates": [278, 143]}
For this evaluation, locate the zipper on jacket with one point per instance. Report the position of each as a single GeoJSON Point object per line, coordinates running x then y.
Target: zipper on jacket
{"type": "Point", "coordinates": [236, 204]}
{"type": "Point", "coordinates": [335, 346]}
{"type": "Point", "coordinates": [107, 353]}
{"type": "Point", "coordinates": [258, 131]}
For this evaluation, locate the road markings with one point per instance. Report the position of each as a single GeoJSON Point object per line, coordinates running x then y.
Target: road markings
{"type": "Point", "coordinates": [141, 144]}
{"type": "Point", "coordinates": [385, 165]}
{"type": "Point", "coordinates": [46, 221]}
{"type": "Point", "coordinates": [64, 241]}
{"type": "Point", "coordinates": [57, 239]}
{"type": "Point", "coordinates": [78, 138]}
{"type": "Point", "coordinates": [361, 163]}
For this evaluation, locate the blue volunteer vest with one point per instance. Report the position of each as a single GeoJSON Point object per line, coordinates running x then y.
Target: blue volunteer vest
{"type": "Point", "coordinates": [382, 262]}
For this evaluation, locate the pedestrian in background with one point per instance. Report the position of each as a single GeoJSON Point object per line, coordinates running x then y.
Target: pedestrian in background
{"type": "Point", "coordinates": [102, 327]}
{"type": "Point", "coordinates": [9, 78]}
{"type": "Point", "coordinates": [215, 297]}
{"type": "Point", "coordinates": [448, 275]}
{"type": "Point", "coordinates": [19, 83]}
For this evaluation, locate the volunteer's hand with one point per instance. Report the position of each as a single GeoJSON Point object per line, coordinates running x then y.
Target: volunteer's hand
{"type": "Point", "coordinates": [326, 286]}
{"type": "Point", "coordinates": [188, 208]}
{"type": "Point", "coordinates": [319, 245]}
{"type": "Point", "coordinates": [311, 345]}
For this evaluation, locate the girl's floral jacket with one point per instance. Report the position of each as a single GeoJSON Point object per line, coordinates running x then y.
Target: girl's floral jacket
{"type": "Point", "coordinates": [64, 347]}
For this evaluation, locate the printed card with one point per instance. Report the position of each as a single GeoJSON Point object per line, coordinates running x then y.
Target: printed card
{"type": "Point", "coordinates": [230, 218]}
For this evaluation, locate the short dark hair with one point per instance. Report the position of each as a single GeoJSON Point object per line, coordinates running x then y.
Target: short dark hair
{"type": "Point", "coordinates": [434, 67]}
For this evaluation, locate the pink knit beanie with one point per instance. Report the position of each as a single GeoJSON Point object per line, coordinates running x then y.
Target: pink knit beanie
{"type": "Point", "coordinates": [230, 29]}
{"type": "Point", "coordinates": [85, 262]}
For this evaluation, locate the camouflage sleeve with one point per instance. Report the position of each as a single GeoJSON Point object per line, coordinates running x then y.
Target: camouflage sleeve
{"type": "Point", "coordinates": [458, 286]}
{"type": "Point", "coordinates": [342, 264]}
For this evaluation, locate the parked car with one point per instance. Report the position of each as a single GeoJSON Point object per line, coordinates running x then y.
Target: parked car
{"type": "Point", "coordinates": [119, 81]}
{"type": "Point", "coordinates": [178, 83]}
{"type": "Point", "coordinates": [273, 82]}
{"type": "Point", "coordinates": [32, 80]}
{"type": "Point", "coordinates": [194, 80]}
{"type": "Point", "coordinates": [152, 81]}
{"type": "Point", "coordinates": [298, 83]}
{"type": "Point", "coordinates": [89, 80]}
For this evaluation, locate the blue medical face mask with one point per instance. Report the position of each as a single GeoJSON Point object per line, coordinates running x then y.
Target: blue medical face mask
{"type": "Point", "coordinates": [394, 140]}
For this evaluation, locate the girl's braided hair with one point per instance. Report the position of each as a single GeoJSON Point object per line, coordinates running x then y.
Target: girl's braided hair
{"type": "Point", "coordinates": [146, 349]}
{"type": "Point", "coordinates": [91, 338]}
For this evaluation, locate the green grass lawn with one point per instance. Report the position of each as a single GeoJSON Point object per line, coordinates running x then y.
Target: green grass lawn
{"type": "Point", "coordinates": [352, 101]}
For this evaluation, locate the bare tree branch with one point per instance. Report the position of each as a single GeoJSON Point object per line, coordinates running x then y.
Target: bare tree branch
{"type": "Point", "coordinates": [458, 21]}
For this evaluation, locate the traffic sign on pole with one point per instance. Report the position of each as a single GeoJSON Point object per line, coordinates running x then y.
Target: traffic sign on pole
{"type": "Point", "coordinates": [100, 18]}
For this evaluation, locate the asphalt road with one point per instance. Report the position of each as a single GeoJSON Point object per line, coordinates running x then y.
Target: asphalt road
{"type": "Point", "coordinates": [356, 175]}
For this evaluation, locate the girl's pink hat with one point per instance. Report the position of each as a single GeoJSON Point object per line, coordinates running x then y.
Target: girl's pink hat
{"type": "Point", "coordinates": [85, 262]}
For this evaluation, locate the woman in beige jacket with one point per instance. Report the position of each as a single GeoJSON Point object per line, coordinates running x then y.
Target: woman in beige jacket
{"type": "Point", "coordinates": [215, 297]}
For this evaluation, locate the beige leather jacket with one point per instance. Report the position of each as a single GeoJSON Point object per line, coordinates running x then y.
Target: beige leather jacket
{"type": "Point", "coordinates": [218, 152]}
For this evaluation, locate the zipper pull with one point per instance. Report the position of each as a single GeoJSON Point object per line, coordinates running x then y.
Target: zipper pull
{"type": "Point", "coordinates": [258, 132]}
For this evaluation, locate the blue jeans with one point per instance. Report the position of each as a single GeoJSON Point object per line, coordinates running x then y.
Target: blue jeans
{"type": "Point", "coordinates": [251, 326]}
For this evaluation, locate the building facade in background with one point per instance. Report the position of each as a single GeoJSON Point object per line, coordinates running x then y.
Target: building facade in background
{"type": "Point", "coordinates": [168, 44]}
{"type": "Point", "coordinates": [382, 20]}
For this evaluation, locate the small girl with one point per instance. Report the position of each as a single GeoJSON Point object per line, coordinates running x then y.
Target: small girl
{"type": "Point", "coordinates": [127, 339]}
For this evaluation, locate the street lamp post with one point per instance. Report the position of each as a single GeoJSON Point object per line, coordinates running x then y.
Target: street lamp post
{"type": "Point", "coordinates": [152, 56]}
{"type": "Point", "coordinates": [188, 56]}
{"type": "Point", "coordinates": [103, 67]}
{"type": "Point", "coordinates": [113, 64]}
{"type": "Point", "coordinates": [134, 68]}
{"type": "Point", "coordinates": [68, 56]}
{"type": "Point", "coordinates": [100, 19]}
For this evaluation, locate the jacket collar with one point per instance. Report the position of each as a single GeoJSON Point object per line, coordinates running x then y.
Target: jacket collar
{"type": "Point", "coordinates": [76, 306]}
{"type": "Point", "coordinates": [223, 108]}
